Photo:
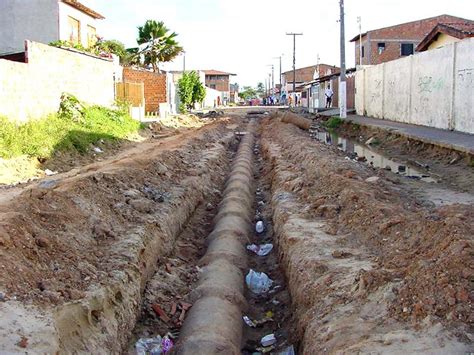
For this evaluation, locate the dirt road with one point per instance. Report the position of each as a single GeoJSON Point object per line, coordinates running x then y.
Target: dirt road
{"type": "Point", "coordinates": [99, 257]}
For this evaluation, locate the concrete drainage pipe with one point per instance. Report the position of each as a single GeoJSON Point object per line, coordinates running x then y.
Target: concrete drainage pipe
{"type": "Point", "coordinates": [214, 324]}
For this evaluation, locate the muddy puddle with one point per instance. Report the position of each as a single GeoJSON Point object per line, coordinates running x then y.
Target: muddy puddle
{"type": "Point", "coordinates": [364, 153]}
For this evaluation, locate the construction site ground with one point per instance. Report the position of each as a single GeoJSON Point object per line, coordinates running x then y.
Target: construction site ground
{"type": "Point", "coordinates": [366, 259]}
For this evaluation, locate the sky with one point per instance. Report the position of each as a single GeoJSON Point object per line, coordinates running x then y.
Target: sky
{"type": "Point", "coordinates": [245, 36]}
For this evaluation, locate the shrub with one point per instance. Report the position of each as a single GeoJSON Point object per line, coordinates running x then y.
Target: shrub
{"type": "Point", "coordinates": [333, 123]}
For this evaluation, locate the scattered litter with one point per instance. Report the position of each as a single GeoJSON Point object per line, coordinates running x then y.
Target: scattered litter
{"type": "Point", "coordinates": [154, 346]}
{"type": "Point", "coordinates": [258, 282]}
{"type": "Point", "coordinates": [261, 203]}
{"type": "Point", "coordinates": [50, 172]}
{"type": "Point", "coordinates": [48, 184]}
{"type": "Point", "coordinates": [259, 227]}
{"type": "Point", "coordinates": [265, 350]}
{"type": "Point", "coordinates": [268, 340]}
{"type": "Point", "coordinates": [260, 250]}
{"type": "Point", "coordinates": [290, 350]}
{"type": "Point", "coordinates": [257, 323]}
{"type": "Point", "coordinates": [249, 322]}
{"type": "Point", "coordinates": [98, 150]}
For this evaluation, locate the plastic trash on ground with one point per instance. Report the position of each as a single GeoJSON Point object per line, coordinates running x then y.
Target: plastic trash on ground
{"type": "Point", "coordinates": [154, 346]}
{"type": "Point", "coordinates": [258, 322]}
{"type": "Point", "coordinates": [260, 250]}
{"type": "Point", "coordinates": [249, 322]}
{"type": "Point", "coordinates": [268, 340]}
{"type": "Point", "coordinates": [259, 227]}
{"type": "Point", "coordinates": [258, 282]}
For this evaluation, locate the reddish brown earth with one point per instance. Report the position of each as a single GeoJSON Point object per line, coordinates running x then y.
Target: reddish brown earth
{"type": "Point", "coordinates": [423, 255]}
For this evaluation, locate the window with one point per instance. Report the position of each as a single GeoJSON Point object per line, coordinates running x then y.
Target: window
{"type": "Point", "coordinates": [91, 35]}
{"type": "Point", "coordinates": [74, 29]}
{"type": "Point", "coordinates": [381, 47]}
{"type": "Point", "coordinates": [212, 86]}
{"type": "Point", "coordinates": [363, 52]}
{"type": "Point", "coordinates": [407, 49]}
{"type": "Point", "coordinates": [303, 95]}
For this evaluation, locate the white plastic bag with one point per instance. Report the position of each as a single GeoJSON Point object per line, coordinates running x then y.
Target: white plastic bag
{"type": "Point", "coordinates": [258, 282]}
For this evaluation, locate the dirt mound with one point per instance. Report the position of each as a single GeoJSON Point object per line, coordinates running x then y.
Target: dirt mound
{"type": "Point", "coordinates": [79, 248]}
{"type": "Point", "coordinates": [424, 256]}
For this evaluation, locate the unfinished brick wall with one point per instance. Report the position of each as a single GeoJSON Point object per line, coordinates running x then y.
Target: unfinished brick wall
{"type": "Point", "coordinates": [154, 85]}
{"type": "Point", "coordinates": [394, 36]}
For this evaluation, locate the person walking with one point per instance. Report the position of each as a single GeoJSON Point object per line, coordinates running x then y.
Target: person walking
{"type": "Point", "coordinates": [329, 94]}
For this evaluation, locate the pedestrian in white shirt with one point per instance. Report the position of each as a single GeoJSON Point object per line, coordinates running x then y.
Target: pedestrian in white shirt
{"type": "Point", "coordinates": [328, 93]}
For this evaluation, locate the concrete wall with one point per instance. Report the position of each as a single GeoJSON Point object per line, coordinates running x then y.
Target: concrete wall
{"type": "Point", "coordinates": [433, 88]}
{"type": "Point", "coordinates": [26, 19]}
{"type": "Point", "coordinates": [33, 90]}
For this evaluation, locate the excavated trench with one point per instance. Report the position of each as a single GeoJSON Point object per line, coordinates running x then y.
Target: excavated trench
{"type": "Point", "coordinates": [198, 298]}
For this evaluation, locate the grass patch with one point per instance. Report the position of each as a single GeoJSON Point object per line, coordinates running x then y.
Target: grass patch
{"type": "Point", "coordinates": [65, 131]}
{"type": "Point", "coordinates": [333, 123]}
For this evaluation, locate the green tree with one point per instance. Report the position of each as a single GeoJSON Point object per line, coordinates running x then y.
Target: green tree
{"type": "Point", "coordinates": [111, 46]}
{"type": "Point", "coordinates": [190, 90]}
{"type": "Point", "coordinates": [248, 93]}
{"type": "Point", "coordinates": [260, 89]}
{"type": "Point", "coordinates": [156, 44]}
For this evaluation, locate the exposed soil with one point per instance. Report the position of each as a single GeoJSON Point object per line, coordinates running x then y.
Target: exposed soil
{"type": "Point", "coordinates": [90, 239]}
{"type": "Point", "coordinates": [379, 245]}
{"type": "Point", "coordinates": [99, 256]}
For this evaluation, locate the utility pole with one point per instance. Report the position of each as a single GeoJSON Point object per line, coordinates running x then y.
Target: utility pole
{"type": "Point", "coordinates": [184, 61]}
{"type": "Point", "coordinates": [294, 60]}
{"type": "Point", "coordinates": [272, 77]}
{"type": "Point", "coordinates": [359, 21]}
{"type": "Point", "coordinates": [342, 77]}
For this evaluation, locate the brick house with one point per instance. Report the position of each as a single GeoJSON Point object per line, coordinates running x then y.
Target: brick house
{"type": "Point", "coordinates": [220, 81]}
{"type": "Point", "coordinates": [45, 21]}
{"type": "Point", "coordinates": [389, 43]}
{"type": "Point", "coordinates": [304, 75]}
{"type": "Point", "coordinates": [445, 33]}
{"type": "Point", "coordinates": [154, 86]}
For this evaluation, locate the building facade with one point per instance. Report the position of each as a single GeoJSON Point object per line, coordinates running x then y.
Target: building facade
{"type": "Point", "coordinates": [219, 81]}
{"type": "Point", "coordinates": [389, 43]}
{"type": "Point", "coordinates": [45, 21]}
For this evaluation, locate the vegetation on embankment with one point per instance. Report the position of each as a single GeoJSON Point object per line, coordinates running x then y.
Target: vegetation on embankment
{"type": "Point", "coordinates": [74, 127]}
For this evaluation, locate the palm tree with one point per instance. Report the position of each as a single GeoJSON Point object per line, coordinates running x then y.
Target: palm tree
{"type": "Point", "coordinates": [156, 44]}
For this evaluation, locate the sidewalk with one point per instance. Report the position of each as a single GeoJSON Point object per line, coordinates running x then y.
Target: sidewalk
{"type": "Point", "coordinates": [463, 142]}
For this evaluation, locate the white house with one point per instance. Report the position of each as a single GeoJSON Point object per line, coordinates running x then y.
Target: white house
{"type": "Point", "coordinates": [45, 21]}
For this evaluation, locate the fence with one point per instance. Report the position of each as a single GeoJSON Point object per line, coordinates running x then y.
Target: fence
{"type": "Point", "coordinates": [433, 88]}
{"type": "Point", "coordinates": [134, 94]}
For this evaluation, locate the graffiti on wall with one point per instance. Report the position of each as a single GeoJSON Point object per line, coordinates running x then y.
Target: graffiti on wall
{"type": "Point", "coordinates": [427, 84]}
{"type": "Point", "coordinates": [465, 77]}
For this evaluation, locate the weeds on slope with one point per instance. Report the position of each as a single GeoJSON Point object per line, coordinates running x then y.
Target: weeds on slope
{"type": "Point", "coordinates": [74, 127]}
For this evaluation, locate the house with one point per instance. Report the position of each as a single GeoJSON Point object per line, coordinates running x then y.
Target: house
{"type": "Point", "coordinates": [314, 91]}
{"type": "Point", "coordinates": [220, 81]}
{"type": "Point", "coordinates": [45, 21]}
{"type": "Point", "coordinates": [302, 76]}
{"type": "Point", "coordinates": [445, 33]}
{"type": "Point", "coordinates": [389, 43]}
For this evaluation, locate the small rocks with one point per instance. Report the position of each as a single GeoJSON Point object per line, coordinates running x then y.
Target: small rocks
{"type": "Point", "coordinates": [209, 207]}
{"type": "Point", "coordinates": [340, 254]}
{"type": "Point", "coordinates": [142, 205]}
{"type": "Point", "coordinates": [161, 169]}
{"type": "Point", "coordinates": [2, 297]}
{"type": "Point", "coordinates": [42, 242]}
{"type": "Point", "coordinates": [372, 179]}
